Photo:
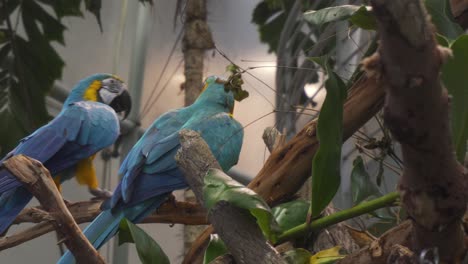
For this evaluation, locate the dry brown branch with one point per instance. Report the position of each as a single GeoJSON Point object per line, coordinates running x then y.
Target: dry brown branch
{"type": "Point", "coordinates": [433, 184]}
{"type": "Point", "coordinates": [36, 178]}
{"type": "Point", "coordinates": [289, 166]}
{"type": "Point", "coordinates": [273, 138]}
{"type": "Point", "coordinates": [236, 227]}
{"type": "Point", "coordinates": [171, 212]}
{"type": "Point", "coordinates": [379, 250]}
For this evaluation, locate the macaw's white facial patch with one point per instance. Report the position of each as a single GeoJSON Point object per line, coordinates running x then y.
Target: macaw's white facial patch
{"type": "Point", "coordinates": [111, 88]}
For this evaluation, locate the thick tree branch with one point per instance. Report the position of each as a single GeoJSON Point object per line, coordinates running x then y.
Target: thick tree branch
{"type": "Point", "coordinates": [236, 227]}
{"type": "Point", "coordinates": [433, 184]}
{"type": "Point", "coordinates": [289, 166]}
{"type": "Point", "coordinates": [170, 212]}
{"type": "Point", "coordinates": [37, 180]}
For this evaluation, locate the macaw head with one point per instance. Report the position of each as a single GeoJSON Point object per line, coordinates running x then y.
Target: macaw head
{"type": "Point", "coordinates": [214, 93]}
{"type": "Point", "coordinates": [104, 88]}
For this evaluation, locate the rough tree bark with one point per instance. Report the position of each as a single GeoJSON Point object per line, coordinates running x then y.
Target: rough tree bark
{"type": "Point", "coordinates": [236, 227]}
{"type": "Point", "coordinates": [197, 39]}
{"type": "Point", "coordinates": [433, 184]}
{"type": "Point", "coordinates": [36, 178]}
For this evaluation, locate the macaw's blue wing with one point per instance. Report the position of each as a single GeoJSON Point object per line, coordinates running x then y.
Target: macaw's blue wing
{"type": "Point", "coordinates": [156, 171]}
{"type": "Point", "coordinates": [152, 155]}
{"type": "Point", "coordinates": [77, 132]}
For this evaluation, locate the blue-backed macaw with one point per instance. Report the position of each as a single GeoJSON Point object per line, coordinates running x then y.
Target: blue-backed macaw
{"type": "Point", "coordinates": [150, 172]}
{"type": "Point", "coordinates": [86, 124]}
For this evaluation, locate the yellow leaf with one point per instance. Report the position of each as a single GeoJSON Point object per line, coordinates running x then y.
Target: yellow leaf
{"type": "Point", "coordinates": [327, 256]}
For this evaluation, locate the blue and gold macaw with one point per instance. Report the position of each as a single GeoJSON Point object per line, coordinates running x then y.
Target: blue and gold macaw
{"type": "Point", "coordinates": [150, 172]}
{"type": "Point", "coordinates": [86, 124]}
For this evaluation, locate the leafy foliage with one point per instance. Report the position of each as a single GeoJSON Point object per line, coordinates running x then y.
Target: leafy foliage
{"type": "Point", "coordinates": [443, 19]}
{"type": "Point", "coordinates": [148, 250]}
{"type": "Point", "coordinates": [235, 82]}
{"type": "Point", "coordinates": [215, 249]}
{"type": "Point", "coordinates": [327, 256]}
{"type": "Point", "coordinates": [271, 15]}
{"type": "Point", "coordinates": [220, 187]}
{"type": "Point", "coordinates": [290, 214]}
{"type": "Point", "coordinates": [362, 186]}
{"type": "Point", "coordinates": [358, 15]}
{"type": "Point", "coordinates": [455, 78]}
{"type": "Point", "coordinates": [29, 63]}
{"type": "Point", "coordinates": [326, 162]}
{"type": "Point", "coordinates": [297, 256]}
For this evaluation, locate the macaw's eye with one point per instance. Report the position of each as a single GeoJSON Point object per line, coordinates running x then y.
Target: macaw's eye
{"type": "Point", "coordinates": [112, 85]}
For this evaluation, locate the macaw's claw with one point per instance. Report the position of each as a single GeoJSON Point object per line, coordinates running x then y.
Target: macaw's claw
{"type": "Point", "coordinates": [99, 193]}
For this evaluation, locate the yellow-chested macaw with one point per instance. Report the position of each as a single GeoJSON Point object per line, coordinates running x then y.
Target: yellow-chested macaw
{"type": "Point", "coordinates": [150, 172]}
{"type": "Point", "coordinates": [86, 124]}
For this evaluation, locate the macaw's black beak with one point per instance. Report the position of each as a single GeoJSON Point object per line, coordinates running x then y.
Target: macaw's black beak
{"type": "Point", "coordinates": [122, 104]}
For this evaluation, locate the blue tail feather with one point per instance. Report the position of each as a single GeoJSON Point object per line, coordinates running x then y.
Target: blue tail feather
{"type": "Point", "coordinates": [106, 224]}
{"type": "Point", "coordinates": [11, 204]}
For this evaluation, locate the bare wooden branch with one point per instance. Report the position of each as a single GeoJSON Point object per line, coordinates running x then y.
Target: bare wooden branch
{"type": "Point", "coordinates": [433, 184]}
{"type": "Point", "coordinates": [236, 227]}
{"type": "Point", "coordinates": [36, 178]}
{"type": "Point", "coordinates": [171, 212]}
{"type": "Point", "coordinates": [273, 138]}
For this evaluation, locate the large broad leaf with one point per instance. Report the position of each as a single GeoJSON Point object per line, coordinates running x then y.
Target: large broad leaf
{"type": "Point", "coordinates": [327, 256]}
{"type": "Point", "coordinates": [148, 250]}
{"type": "Point", "coordinates": [221, 187]}
{"type": "Point", "coordinates": [455, 78]}
{"type": "Point", "coordinates": [442, 18]}
{"type": "Point", "coordinates": [29, 63]}
{"type": "Point", "coordinates": [290, 214]}
{"type": "Point", "coordinates": [362, 186]}
{"type": "Point", "coordinates": [326, 163]}
{"type": "Point", "coordinates": [358, 15]}
{"type": "Point", "coordinates": [297, 256]}
{"type": "Point", "coordinates": [215, 249]}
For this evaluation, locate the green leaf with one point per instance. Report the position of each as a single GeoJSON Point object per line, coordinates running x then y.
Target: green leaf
{"type": "Point", "coordinates": [297, 256]}
{"type": "Point", "coordinates": [327, 256]}
{"type": "Point", "coordinates": [364, 19]}
{"type": "Point", "coordinates": [148, 250]}
{"type": "Point", "coordinates": [220, 187]}
{"type": "Point", "coordinates": [94, 6]}
{"type": "Point", "coordinates": [326, 163]}
{"type": "Point", "coordinates": [362, 186]}
{"type": "Point", "coordinates": [215, 249]}
{"type": "Point", "coordinates": [443, 19]}
{"type": "Point", "coordinates": [443, 41]}
{"type": "Point", "coordinates": [64, 8]}
{"type": "Point", "coordinates": [455, 78]}
{"type": "Point", "coordinates": [358, 15]}
{"type": "Point", "coordinates": [290, 214]}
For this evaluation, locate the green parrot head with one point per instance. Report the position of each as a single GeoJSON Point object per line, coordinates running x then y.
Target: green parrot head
{"type": "Point", "coordinates": [105, 88]}
{"type": "Point", "coordinates": [214, 93]}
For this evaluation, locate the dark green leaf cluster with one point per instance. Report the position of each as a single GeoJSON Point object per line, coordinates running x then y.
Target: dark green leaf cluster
{"type": "Point", "coordinates": [235, 82]}
{"type": "Point", "coordinates": [29, 63]}
{"type": "Point", "coordinates": [148, 250]}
